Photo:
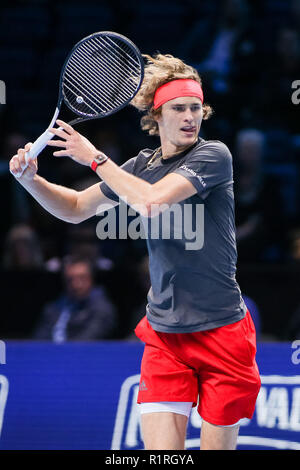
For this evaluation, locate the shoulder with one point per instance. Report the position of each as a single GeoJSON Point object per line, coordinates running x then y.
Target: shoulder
{"type": "Point", "coordinates": [145, 154]}
{"type": "Point", "coordinates": [131, 164]}
{"type": "Point", "coordinates": [212, 149]}
{"type": "Point", "coordinates": [142, 159]}
{"type": "Point", "coordinates": [142, 156]}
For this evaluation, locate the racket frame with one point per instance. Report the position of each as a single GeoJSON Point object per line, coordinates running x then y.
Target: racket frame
{"type": "Point", "coordinates": [41, 142]}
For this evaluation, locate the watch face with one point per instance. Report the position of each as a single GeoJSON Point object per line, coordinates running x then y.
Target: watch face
{"type": "Point", "coordinates": [98, 160]}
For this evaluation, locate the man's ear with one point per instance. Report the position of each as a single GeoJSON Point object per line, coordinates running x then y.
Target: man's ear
{"type": "Point", "coordinates": [158, 118]}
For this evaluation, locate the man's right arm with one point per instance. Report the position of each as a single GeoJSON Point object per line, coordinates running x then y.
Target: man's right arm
{"type": "Point", "coordinates": [64, 203]}
{"type": "Point", "coordinates": [67, 204]}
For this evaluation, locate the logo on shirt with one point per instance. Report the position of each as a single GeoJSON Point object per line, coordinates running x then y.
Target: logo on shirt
{"type": "Point", "coordinates": [184, 167]}
{"type": "Point", "coordinates": [192, 172]}
{"type": "Point", "coordinates": [202, 181]}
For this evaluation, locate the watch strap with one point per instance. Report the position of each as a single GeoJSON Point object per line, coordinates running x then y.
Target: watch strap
{"type": "Point", "coordinates": [98, 160]}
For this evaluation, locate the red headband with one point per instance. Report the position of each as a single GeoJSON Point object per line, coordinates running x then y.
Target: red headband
{"type": "Point", "coordinates": [176, 89]}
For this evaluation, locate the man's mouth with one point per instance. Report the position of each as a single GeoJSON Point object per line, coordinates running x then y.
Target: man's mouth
{"type": "Point", "coordinates": [189, 130]}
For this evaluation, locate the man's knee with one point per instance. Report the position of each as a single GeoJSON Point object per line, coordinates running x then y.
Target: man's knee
{"type": "Point", "coordinates": [216, 437]}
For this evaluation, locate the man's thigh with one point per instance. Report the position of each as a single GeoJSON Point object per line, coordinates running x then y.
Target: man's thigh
{"type": "Point", "coordinates": [164, 430]}
{"type": "Point", "coordinates": [167, 431]}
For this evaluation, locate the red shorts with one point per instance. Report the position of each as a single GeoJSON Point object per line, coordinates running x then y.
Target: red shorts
{"type": "Point", "coordinates": [214, 368]}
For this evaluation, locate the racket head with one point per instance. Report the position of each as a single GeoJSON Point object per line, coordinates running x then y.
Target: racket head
{"type": "Point", "coordinates": [101, 75]}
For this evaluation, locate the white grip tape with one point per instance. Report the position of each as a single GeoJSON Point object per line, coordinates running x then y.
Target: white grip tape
{"type": "Point", "coordinates": [38, 146]}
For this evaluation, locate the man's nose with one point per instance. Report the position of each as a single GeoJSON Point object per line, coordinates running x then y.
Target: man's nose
{"type": "Point", "coordinates": [188, 115]}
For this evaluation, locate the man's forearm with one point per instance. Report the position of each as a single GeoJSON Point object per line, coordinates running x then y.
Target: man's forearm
{"type": "Point", "coordinates": [135, 191]}
{"type": "Point", "coordinates": [58, 200]}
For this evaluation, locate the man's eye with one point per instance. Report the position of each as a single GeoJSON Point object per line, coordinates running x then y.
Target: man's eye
{"type": "Point", "coordinates": [178, 108]}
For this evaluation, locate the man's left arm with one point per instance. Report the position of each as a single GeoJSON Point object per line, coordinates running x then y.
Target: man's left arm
{"type": "Point", "coordinates": [146, 198]}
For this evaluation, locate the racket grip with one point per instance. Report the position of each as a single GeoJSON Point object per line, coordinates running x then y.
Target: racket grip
{"type": "Point", "coordinates": [38, 145]}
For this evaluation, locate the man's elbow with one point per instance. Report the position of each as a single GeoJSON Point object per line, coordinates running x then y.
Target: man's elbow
{"type": "Point", "coordinates": [153, 207]}
{"type": "Point", "coordinates": [77, 220]}
{"type": "Point", "coordinates": [72, 219]}
{"type": "Point", "coordinates": [76, 215]}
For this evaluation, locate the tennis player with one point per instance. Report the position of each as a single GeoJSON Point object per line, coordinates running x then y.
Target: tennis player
{"type": "Point", "coordinates": [199, 338]}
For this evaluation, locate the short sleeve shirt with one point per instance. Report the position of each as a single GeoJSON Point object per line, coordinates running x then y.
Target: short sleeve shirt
{"type": "Point", "coordinates": [192, 248]}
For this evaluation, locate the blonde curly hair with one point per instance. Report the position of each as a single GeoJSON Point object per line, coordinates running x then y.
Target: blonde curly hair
{"type": "Point", "coordinates": [159, 70]}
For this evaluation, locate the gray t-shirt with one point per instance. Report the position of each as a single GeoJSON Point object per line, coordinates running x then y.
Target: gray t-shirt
{"type": "Point", "coordinates": [193, 284]}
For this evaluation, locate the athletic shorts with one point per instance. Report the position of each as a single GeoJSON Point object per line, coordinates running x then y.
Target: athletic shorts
{"type": "Point", "coordinates": [215, 369]}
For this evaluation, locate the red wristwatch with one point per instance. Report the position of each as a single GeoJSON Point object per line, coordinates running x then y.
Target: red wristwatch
{"type": "Point", "coordinates": [98, 160]}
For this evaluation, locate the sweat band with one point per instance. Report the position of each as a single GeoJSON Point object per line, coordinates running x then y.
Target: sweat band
{"type": "Point", "coordinates": [176, 89]}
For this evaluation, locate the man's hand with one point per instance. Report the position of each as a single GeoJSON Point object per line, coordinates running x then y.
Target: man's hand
{"type": "Point", "coordinates": [74, 145]}
{"type": "Point", "coordinates": [18, 163]}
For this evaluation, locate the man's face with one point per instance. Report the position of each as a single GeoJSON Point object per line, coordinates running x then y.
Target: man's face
{"type": "Point", "coordinates": [78, 280]}
{"type": "Point", "coordinates": [180, 122]}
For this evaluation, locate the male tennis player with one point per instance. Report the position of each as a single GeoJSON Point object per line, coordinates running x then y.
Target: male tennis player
{"type": "Point", "coordinates": [199, 337]}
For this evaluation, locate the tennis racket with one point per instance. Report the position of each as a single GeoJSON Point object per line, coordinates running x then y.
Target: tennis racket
{"type": "Point", "coordinates": [101, 75]}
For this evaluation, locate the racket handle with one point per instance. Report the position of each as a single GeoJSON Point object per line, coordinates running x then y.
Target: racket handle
{"type": "Point", "coordinates": [40, 143]}
{"type": "Point", "coordinates": [38, 146]}
{"type": "Point", "coordinates": [36, 149]}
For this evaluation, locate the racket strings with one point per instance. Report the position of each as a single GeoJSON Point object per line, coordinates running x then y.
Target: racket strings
{"type": "Point", "coordinates": [133, 67]}
{"type": "Point", "coordinates": [88, 82]}
{"type": "Point", "coordinates": [124, 49]}
{"type": "Point", "coordinates": [83, 84]}
{"type": "Point", "coordinates": [116, 71]}
{"type": "Point", "coordinates": [116, 52]}
{"type": "Point", "coordinates": [72, 90]}
{"type": "Point", "coordinates": [89, 92]}
{"type": "Point", "coordinates": [102, 74]}
{"type": "Point", "coordinates": [113, 64]}
{"type": "Point", "coordinates": [94, 78]}
{"type": "Point", "coordinates": [84, 79]}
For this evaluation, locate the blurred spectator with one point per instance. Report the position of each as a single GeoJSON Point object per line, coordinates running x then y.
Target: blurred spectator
{"type": "Point", "coordinates": [247, 80]}
{"type": "Point", "coordinates": [293, 327]}
{"type": "Point", "coordinates": [144, 283]}
{"type": "Point", "coordinates": [81, 240]}
{"type": "Point", "coordinates": [260, 223]}
{"type": "Point", "coordinates": [218, 62]}
{"type": "Point", "coordinates": [83, 312]}
{"type": "Point", "coordinates": [14, 140]}
{"type": "Point", "coordinates": [295, 13]}
{"type": "Point", "coordinates": [248, 181]}
{"type": "Point", "coordinates": [280, 70]}
{"type": "Point", "coordinates": [203, 19]}
{"type": "Point", "coordinates": [218, 68]}
{"type": "Point", "coordinates": [295, 245]}
{"type": "Point", "coordinates": [22, 249]}
{"type": "Point", "coordinates": [247, 53]}
{"type": "Point", "coordinates": [255, 314]}
{"type": "Point", "coordinates": [107, 140]}
{"type": "Point", "coordinates": [15, 202]}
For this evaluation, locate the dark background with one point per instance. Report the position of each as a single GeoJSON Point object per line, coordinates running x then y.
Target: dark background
{"type": "Point", "coordinates": [248, 55]}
